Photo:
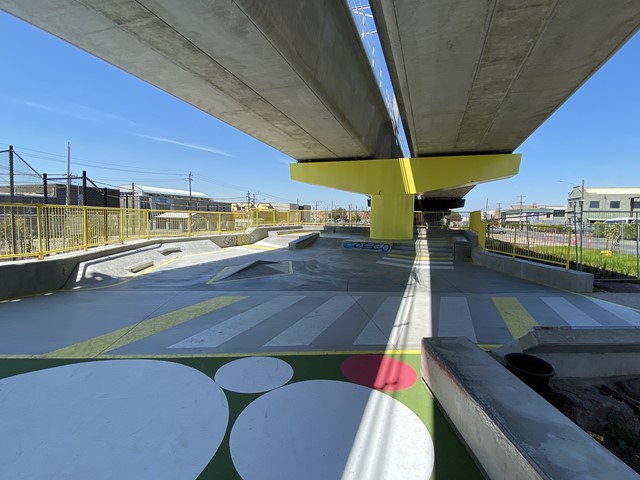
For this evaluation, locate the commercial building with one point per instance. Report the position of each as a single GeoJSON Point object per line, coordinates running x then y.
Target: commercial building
{"type": "Point", "coordinates": [156, 198]}
{"type": "Point", "coordinates": [599, 204]}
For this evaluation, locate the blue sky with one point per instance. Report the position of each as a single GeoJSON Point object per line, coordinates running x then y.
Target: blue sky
{"type": "Point", "coordinates": [123, 130]}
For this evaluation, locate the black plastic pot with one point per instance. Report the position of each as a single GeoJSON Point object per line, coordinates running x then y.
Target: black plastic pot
{"type": "Point", "coordinates": [532, 370]}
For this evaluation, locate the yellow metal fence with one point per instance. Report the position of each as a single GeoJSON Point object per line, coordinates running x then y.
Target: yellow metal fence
{"type": "Point", "coordinates": [545, 243]}
{"type": "Point", "coordinates": [34, 231]}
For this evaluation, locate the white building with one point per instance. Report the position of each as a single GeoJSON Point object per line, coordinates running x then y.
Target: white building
{"type": "Point", "coordinates": [156, 198]}
{"type": "Point", "coordinates": [604, 203]}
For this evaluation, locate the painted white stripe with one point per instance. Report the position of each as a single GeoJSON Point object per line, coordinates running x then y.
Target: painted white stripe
{"type": "Point", "coordinates": [455, 319]}
{"type": "Point", "coordinates": [380, 327]}
{"type": "Point", "coordinates": [309, 327]}
{"type": "Point", "coordinates": [420, 261]}
{"type": "Point", "coordinates": [569, 312]}
{"type": "Point", "coordinates": [225, 331]}
{"type": "Point", "coordinates": [626, 314]}
{"type": "Point", "coordinates": [393, 264]}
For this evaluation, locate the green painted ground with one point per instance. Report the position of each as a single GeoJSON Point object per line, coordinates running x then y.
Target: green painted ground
{"type": "Point", "coordinates": [452, 460]}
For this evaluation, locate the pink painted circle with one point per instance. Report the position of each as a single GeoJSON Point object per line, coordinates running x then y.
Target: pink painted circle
{"type": "Point", "coordinates": [379, 372]}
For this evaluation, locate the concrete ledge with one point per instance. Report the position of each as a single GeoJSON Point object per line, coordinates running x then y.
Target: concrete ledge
{"type": "Point", "coordinates": [304, 241]}
{"type": "Point", "coordinates": [170, 250]}
{"type": "Point", "coordinates": [549, 275]}
{"type": "Point", "coordinates": [138, 267]}
{"type": "Point", "coordinates": [28, 277]}
{"type": "Point", "coordinates": [512, 431]}
{"type": "Point", "coordinates": [582, 352]}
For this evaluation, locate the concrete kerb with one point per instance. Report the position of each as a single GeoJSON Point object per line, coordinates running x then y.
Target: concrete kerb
{"type": "Point", "coordinates": [28, 277]}
{"type": "Point", "coordinates": [556, 277]}
{"type": "Point", "coordinates": [512, 431]}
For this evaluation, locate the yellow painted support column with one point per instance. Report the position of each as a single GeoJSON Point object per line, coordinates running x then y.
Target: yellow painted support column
{"type": "Point", "coordinates": [391, 217]}
{"type": "Point", "coordinates": [477, 225]}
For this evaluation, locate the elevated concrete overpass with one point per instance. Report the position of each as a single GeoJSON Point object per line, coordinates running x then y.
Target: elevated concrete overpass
{"type": "Point", "coordinates": [479, 77]}
{"type": "Point", "coordinates": [292, 74]}
{"type": "Point", "coordinates": [473, 79]}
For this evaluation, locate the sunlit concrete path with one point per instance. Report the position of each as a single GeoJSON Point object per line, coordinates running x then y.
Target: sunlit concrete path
{"type": "Point", "coordinates": [309, 357]}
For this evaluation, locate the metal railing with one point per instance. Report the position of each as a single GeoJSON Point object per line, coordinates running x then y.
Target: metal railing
{"type": "Point", "coordinates": [35, 231]}
{"type": "Point", "coordinates": [543, 243]}
{"type": "Point", "coordinates": [607, 245]}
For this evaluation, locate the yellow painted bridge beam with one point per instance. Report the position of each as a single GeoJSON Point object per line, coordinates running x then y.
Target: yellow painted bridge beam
{"type": "Point", "coordinates": [393, 183]}
{"type": "Point", "coordinates": [407, 176]}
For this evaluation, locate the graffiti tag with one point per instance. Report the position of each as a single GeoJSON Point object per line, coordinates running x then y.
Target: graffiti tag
{"type": "Point", "coordinates": [384, 247]}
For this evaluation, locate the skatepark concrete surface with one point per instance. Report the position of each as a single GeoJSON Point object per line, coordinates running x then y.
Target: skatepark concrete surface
{"type": "Point", "coordinates": [316, 310]}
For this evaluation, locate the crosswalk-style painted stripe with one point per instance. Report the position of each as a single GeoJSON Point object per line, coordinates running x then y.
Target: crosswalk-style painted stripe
{"type": "Point", "coordinates": [426, 266]}
{"type": "Point", "coordinates": [455, 319]}
{"type": "Point", "coordinates": [126, 335]}
{"type": "Point", "coordinates": [515, 316]}
{"type": "Point", "coordinates": [238, 324]}
{"type": "Point", "coordinates": [381, 327]}
{"type": "Point", "coordinates": [624, 313]}
{"type": "Point", "coordinates": [309, 327]}
{"type": "Point", "coordinates": [569, 312]}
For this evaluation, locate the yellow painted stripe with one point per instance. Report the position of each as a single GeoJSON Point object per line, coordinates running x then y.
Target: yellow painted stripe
{"type": "Point", "coordinates": [259, 247]}
{"type": "Point", "coordinates": [217, 275]}
{"type": "Point", "coordinates": [268, 354]}
{"type": "Point", "coordinates": [515, 316]}
{"type": "Point", "coordinates": [119, 338]}
{"type": "Point", "coordinates": [489, 346]}
{"type": "Point", "coordinates": [237, 354]}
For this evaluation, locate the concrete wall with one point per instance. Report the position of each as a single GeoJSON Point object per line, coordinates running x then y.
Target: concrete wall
{"type": "Point", "coordinates": [513, 433]}
{"type": "Point", "coordinates": [28, 277]}
{"type": "Point", "coordinates": [551, 276]}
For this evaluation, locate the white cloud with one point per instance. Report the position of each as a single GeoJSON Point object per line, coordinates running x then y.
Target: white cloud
{"type": "Point", "coordinates": [194, 146]}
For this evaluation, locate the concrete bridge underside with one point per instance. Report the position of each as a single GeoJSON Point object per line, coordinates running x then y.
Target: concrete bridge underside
{"type": "Point", "coordinates": [473, 79]}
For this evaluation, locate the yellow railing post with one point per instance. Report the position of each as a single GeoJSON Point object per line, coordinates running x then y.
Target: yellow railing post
{"type": "Point", "coordinates": [515, 239]}
{"type": "Point", "coordinates": [568, 247]}
{"type": "Point", "coordinates": [189, 224]}
{"type": "Point", "coordinates": [121, 225]}
{"type": "Point", "coordinates": [219, 223]}
{"type": "Point", "coordinates": [148, 218]}
{"type": "Point", "coordinates": [38, 214]}
{"type": "Point", "coordinates": [85, 228]}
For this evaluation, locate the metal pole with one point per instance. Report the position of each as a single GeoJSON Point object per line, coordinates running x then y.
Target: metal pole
{"type": "Point", "coordinates": [68, 174]}
{"type": "Point", "coordinates": [45, 189]}
{"type": "Point", "coordinates": [12, 183]}
{"type": "Point", "coordinates": [11, 188]}
{"type": "Point", "coordinates": [84, 188]}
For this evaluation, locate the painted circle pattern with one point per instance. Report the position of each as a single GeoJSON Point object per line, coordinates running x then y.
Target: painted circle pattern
{"type": "Point", "coordinates": [254, 374]}
{"type": "Point", "coordinates": [111, 419]}
{"type": "Point", "coordinates": [379, 372]}
{"type": "Point", "coordinates": [320, 429]}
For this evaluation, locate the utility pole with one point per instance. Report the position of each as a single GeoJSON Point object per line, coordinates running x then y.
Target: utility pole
{"type": "Point", "coordinates": [68, 199]}
{"type": "Point", "coordinates": [190, 178]}
{"type": "Point", "coordinates": [248, 199]}
{"type": "Point", "coordinates": [12, 183]}
{"type": "Point", "coordinates": [521, 197]}
{"type": "Point", "coordinates": [499, 213]}
{"type": "Point", "coordinates": [486, 210]}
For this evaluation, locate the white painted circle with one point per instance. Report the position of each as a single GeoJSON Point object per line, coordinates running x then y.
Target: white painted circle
{"type": "Point", "coordinates": [322, 429]}
{"type": "Point", "coordinates": [254, 374]}
{"type": "Point", "coordinates": [124, 419]}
